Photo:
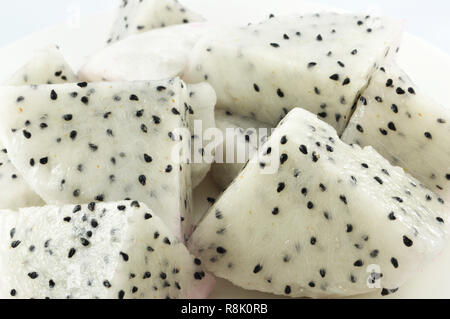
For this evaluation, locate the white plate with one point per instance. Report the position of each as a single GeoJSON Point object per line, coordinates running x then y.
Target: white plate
{"type": "Point", "coordinates": [428, 66]}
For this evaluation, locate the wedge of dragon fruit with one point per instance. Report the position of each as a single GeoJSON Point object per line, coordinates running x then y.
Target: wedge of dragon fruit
{"type": "Point", "coordinates": [77, 143]}
{"type": "Point", "coordinates": [202, 100]}
{"type": "Point", "coordinates": [319, 62]}
{"type": "Point", "coordinates": [406, 126]}
{"type": "Point", "coordinates": [242, 138]}
{"type": "Point", "coordinates": [136, 16]}
{"type": "Point", "coordinates": [313, 217]}
{"type": "Point", "coordinates": [47, 66]}
{"type": "Point", "coordinates": [155, 55]}
{"type": "Point", "coordinates": [99, 250]}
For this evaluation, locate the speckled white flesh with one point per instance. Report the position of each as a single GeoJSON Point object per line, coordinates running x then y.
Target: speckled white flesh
{"type": "Point", "coordinates": [202, 100]}
{"type": "Point", "coordinates": [107, 250]}
{"type": "Point", "coordinates": [248, 140]}
{"type": "Point", "coordinates": [102, 141]}
{"type": "Point", "coordinates": [136, 16]}
{"type": "Point", "coordinates": [154, 55]}
{"type": "Point", "coordinates": [47, 66]}
{"type": "Point", "coordinates": [264, 70]}
{"type": "Point", "coordinates": [406, 126]}
{"type": "Point", "coordinates": [323, 224]}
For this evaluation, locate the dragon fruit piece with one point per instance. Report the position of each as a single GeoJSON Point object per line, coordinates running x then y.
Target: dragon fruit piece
{"type": "Point", "coordinates": [154, 55]}
{"type": "Point", "coordinates": [100, 250]}
{"type": "Point", "coordinates": [248, 136]}
{"type": "Point", "coordinates": [77, 143]}
{"type": "Point", "coordinates": [136, 16]}
{"type": "Point", "coordinates": [47, 66]}
{"type": "Point", "coordinates": [202, 101]}
{"type": "Point", "coordinates": [319, 62]}
{"type": "Point", "coordinates": [406, 126]}
{"type": "Point", "coordinates": [321, 218]}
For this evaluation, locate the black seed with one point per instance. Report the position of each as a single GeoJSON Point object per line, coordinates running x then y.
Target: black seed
{"type": "Point", "coordinates": [33, 275]}
{"type": "Point", "coordinates": [155, 235]}
{"type": "Point", "coordinates": [283, 158]}
{"type": "Point", "coordinates": [275, 211]}
{"type": "Point", "coordinates": [391, 126]}
{"type": "Point", "coordinates": [275, 45]}
{"type": "Point", "coordinates": [389, 82]}
{"type": "Point", "coordinates": [124, 256]}
{"type": "Point", "coordinates": [93, 147]}
{"type": "Point", "coordinates": [147, 275]}
{"type": "Point", "coordinates": [43, 160]}
{"type": "Point", "coordinates": [166, 241]}
{"type": "Point", "coordinates": [26, 134]}
{"type": "Point", "coordinates": [374, 253]}
{"type": "Point", "coordinates": [440, 220]}
{"type": "Point", "coordinates": [283, 140]}
{"type": "Point", "coordinates": [256, 87]}
{"type": "Point", "coordinates": [379, 180]}
{"type": "Point", "coordinates": [400, 91]}
{"type": "Point", "coordinates": [142, 180]}
{"type": "Point", "coordinates": [68, 117]}
{"type": "Point", "coordinates": [310, 205]}
{"type": "Point", "coordinates": [175, 111]}
{"type": "Point", "coordinates": [349, 228]}
{"type": "Point", "coordinates": [313, 240]}
{"type": "Point", "coordinates": [280, 93]}
{"type": "Point", "coordinates": [73, 135]}
{"type": "Point", "coordinates": [287, 290]}
{"type": "Point", "coordinates": [311, 65]}
{"type": "Point", "coordinates": [121, 294]}
{"type": "Point", "coordinates": [311, 284]}
{"type": "Point", "coordinates": [53, 95]}
{"type": "Point", "coordinates": [319, 38]}
{"type": "Point", "coordinates": [343, 199]}
{"type": "Point", "coordinates": [394, 108]}
{"type": "Point", "coordinates": [384, 292]}
{"type": "Point", "coordinates": [84, 242]}
{"type": "Point", "coordinates": [358, 263]}
{"type": "Point", "coordinates": [383, 131]}
{"type": "Point", "coordinates": [169, 168]}
{"type": "Point", "coordinates": [147, 216]}
{"type": "Point", "coordinates": [85, 100]}
{"type": "Point", "coordinates": [322, 272]}
{"type": "Point", "coordinates": [335, 77]}
{"type": "Point", "coordinates": [133, 98]}
{"type": "Point", "coordinates": [72, 252]}
{"type": "Point", "coordinates": [303, 149]}
{"type": "Point", "coordinates": [221, 250]}
{"type": "Point", "coordinates": [394, 262]}
{"type": "Point", "coordinates": [199, 275]}
{"type": "Point", "coordinates": [76, 209]}
{"type": "Point", "coordinates": [408, 242]}
{"type": "Point", "coordinates": [354, 52]}
{"type": "Point", "coordinates": [428, 135]}
{"type": "Point", "coordinates": [281, 187]}
{"type": "Point", "coordinates": [346, 81]}
{"type": "Point", "coordinates": [257, 269]}
{"type": "Point", "coordinates": [15, 243]}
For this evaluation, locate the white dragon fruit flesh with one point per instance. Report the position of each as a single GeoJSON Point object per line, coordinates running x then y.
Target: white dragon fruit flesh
{"type": "Point", "coordinates": [201, 104]}
{"type": "Point", "coordinates": [315, 217]}
{"type": "Point", "coordinates": [248, 135]}
{"type": "Point", "coordinates": [47, 66]}
{"type": "Point", "coordinates": [406, 126]}
{"type": "Point", "coordinates": [319, 62]}
{"type": "Point", "coordinates": [154, 55]}
{"type": "Point", "coordinates": [136, 16]}
{"type": "Point", "coordinates": [77, 143]}
{"type": "Point", "coordinates": [99, 250]}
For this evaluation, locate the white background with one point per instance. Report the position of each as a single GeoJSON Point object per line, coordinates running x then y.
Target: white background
{"type": "Point", "coordinates": [428, 19]}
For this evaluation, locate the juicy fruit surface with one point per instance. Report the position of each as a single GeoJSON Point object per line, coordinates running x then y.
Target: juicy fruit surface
{"type": "Point", "coordinates": [331, 219]}
{"type": "Point", "coordinates": [47, 66]}
{"type": "Point", "coordinates": [77, 143]}
{"type": "Point", "coordinates": [318, 62]}
{"type": "Point", "coordinates": [405, 126]}
{"type": "Point", "coordinates": [136, 16]}
{"type": "Point", "coordinates": [202, 102]}
{"type": "Point", "coordinates": [248, 139]}
{"type": "Point", "coordinates": [155, 55]}
{"type": "Point", "coordinates": [112, 250]}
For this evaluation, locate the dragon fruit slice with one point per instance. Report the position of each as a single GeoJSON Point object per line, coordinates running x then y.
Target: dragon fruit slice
{"type": "Point", "coordinates": [154, 55]}
{"type": "Point", "coordinates": [104, 250]}
{"type": "Point", "coordinates": [406, 126]}
{"type": "Point", "coordinates": [248, 136]}
{"type": "Point", "coordinates": [202, 100]}
{"type": "Point", "coordinates": [136, 16]}
{"type": "Point", "coordinates": [318, 62]}
{"type": "Point", "coordinates": [77, 143]}
{"type": "Point", "coordinates": [47, 66]}
{"type": "Point", "coordinates": [321, 218]}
